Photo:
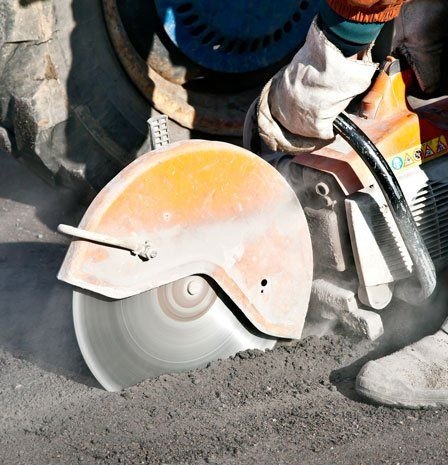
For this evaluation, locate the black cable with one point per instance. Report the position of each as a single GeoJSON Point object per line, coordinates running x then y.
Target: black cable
{"type": "Point", "coordinates": [423, 266]}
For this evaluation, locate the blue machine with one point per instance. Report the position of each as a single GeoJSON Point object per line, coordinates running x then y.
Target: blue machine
{"type": "Point", "coordinates": [236, 36]}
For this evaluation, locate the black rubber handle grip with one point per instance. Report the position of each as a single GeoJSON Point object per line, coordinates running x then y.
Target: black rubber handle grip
{"type": "Point", "coordinates": [424, 269]}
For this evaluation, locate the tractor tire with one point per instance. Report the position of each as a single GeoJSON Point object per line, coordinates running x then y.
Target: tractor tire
{"type": "Point", "coordinates": [67, 108]}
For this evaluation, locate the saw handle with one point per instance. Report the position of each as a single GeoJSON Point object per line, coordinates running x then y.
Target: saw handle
{"type": "Point", "coordinates": [142, 250]}
{"type": "Point", "coordinates": [424, 268]}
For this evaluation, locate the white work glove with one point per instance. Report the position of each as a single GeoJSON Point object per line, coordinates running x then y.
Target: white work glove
{"type": "Point", "coordinates": [421, 36]}
{"type": "Point", "coordinates": [305, 97]}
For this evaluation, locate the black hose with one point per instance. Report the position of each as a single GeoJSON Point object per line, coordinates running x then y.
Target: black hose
{"type": "Point", "coordinates": [423, 266]}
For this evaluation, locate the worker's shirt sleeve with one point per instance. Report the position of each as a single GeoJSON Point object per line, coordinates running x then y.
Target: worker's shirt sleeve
{"type": "Point", "coordinates": [367, 11]}
{"type": "Point", "coordinates": [352, 25]}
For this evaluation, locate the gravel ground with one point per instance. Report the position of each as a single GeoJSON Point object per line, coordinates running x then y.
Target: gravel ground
{"type": "Point", "coordinates": [295, 404]}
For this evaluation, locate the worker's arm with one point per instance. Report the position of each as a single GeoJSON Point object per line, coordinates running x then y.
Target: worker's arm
{"type": "Point", "coordinates": [350, 37]}
{"type": "Point", "coordinates": [420, 35]}
{"type": "Point", "coordinates": [331, 68]}
{"type": "Point", "coordinates": [352, 25]}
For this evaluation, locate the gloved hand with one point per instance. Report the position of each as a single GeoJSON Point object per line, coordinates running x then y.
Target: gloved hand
{"type": "Point", "coordinates": [421, 36]}
{"type": "Point", "coordinates": [298, 106]}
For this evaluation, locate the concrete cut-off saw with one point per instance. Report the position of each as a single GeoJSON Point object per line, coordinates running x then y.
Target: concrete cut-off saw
{"type": "Point", "coordinates": [200, 249]}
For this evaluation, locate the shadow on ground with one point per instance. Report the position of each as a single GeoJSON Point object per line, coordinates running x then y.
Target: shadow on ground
{"type": "Point", "coordinates": [52, 205]}
{"type": "Point", "coordinates": [35, 308]}
{"type": "Point", "coordinates": [35, 315]}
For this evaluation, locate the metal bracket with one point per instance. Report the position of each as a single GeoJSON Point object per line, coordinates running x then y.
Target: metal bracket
{"type": "Point", "coordinates": [335, 300]}
{"type": "Point", "coordinates": [158, 130]}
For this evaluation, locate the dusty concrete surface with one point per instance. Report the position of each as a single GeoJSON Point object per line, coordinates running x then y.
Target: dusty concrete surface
{"type": "Point", "coordinates": [295, 404]}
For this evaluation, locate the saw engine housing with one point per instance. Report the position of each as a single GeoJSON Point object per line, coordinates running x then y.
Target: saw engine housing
{"type": "Point", "coordinates": [359, 253]}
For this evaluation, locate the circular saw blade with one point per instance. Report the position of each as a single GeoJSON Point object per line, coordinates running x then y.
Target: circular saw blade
{"type": "Point", "coordinates": [179, 326]}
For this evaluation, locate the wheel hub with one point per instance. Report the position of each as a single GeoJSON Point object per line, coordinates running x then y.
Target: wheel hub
{"type": "Point", "coordinates": [200, 62]}
{"type": "Point", "coordinates": [186, 299]}
{"type": "Point", "coordinates": [235, 36]}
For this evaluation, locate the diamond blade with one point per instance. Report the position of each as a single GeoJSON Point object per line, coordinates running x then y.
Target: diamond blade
{"type": "Point", "coordinates": [176, 327]}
